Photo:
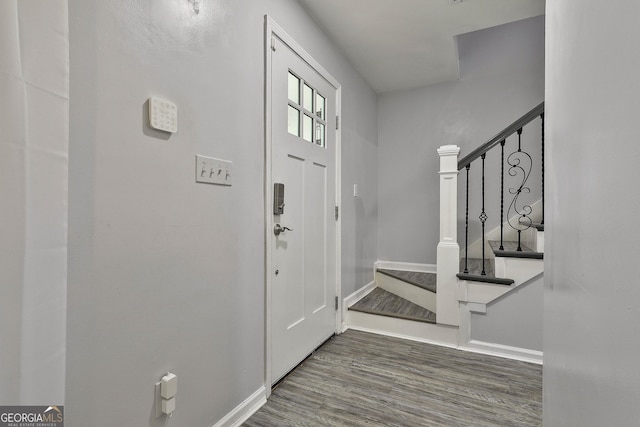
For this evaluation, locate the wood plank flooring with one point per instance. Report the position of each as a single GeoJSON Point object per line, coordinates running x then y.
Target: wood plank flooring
{"type": "Point", "coordinates": [362, 379]}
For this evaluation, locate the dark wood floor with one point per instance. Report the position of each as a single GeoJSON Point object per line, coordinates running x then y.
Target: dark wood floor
{"type": "Point", "coordinates": [361, 379]}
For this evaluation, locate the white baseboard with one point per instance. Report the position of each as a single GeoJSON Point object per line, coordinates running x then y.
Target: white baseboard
{"type": "Point", "coordinates": [445, 336]}
{"type": "Point", "coordinates": [359, 294]}
{"type": "Point", "coordinates": [243, 411]}
{"type": "Point", "coordinates": [354, 298]}
{"type": "Point", "coordinates": [406, 266]}
{"type": "Point", "coordinates": [505, 351]}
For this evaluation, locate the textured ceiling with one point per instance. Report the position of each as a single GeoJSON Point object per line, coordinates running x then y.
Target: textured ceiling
{"type": "Point", "coordinates": [403, 44]}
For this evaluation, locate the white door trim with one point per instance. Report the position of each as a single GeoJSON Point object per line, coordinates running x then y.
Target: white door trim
{"type": "Point", "coordinates": [273, 29]}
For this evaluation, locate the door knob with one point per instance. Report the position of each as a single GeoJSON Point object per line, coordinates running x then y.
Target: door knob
{"type": "Point", "coordinates": [277, 229]}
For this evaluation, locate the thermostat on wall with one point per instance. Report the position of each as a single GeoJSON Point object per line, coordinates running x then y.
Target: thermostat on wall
{"type": "Point", "coordinates": [163, 115]}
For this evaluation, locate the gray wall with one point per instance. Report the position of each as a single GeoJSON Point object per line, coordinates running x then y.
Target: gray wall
{"type": "Point", "coordinates": [34, 111]}
{"type": "Point", "coordinates": [592, 297]}
{"type": "Point", "coordinates": [502, 77]}
{"type": "Point", "coordinates": [514, 320]}
{"type": "Point", "coordinates": [165, 274]}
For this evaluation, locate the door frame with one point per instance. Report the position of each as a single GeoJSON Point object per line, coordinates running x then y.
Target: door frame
{"type": "Point", "coordinates": [275, 30]}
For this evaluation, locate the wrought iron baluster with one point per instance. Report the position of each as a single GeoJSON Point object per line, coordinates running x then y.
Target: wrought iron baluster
{"type": "Point", "coordinates": [466, 226]}
{"type": "Point", "coordinates": [520, 163]}
{"type": "Point", "coordinates": [502, 194]}
{"type": "Point", "coordinates": [483, 218]}
{"type": "Point", "coordinates": [520, 139]}
{"type": "Point", "coordinates": [519, 150]}
{"type": "Point", "coordinates": [542, 118]}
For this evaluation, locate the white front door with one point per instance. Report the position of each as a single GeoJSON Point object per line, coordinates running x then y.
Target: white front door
{"type": "Point", "coordinates": [303, 236]}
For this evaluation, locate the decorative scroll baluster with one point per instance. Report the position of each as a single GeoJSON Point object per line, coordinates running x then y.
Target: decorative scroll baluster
{"type": "Point", "coordinates": [519, 150]}
{"type": "Point", "coordinates": [466, 226]}
{"type": "Point", "coordinates": [542, 118]}
{"type": "Point", "coordinates": [483, 218]}
{"type": "Point", "coordinates": [502, 194]}
{"type": "Point", "coordinates": [524, 220]}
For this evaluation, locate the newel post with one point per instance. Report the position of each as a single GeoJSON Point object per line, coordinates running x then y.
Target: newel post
{"type": "Point", "coordinates": [448, 249]}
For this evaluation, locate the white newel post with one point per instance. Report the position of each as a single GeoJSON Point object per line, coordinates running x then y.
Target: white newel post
{"type": "Point", "coordinates": [448, 249]}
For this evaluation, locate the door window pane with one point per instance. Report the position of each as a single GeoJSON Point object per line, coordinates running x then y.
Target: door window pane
{"type": "Point", "coordinates": [306, 111]}
{"type": "Point", "coordinates": [320, 134]}
{"type": "Point", "coordinates": [294, 88]}
{"type": "Point", "coordinates": [307, 98]}
{"type": "Point", "coordinates": [294, 121]}
{"type": "Point", "coordinates": [320, 106]}
{"type": "Point", "coordinates": [307, 128]}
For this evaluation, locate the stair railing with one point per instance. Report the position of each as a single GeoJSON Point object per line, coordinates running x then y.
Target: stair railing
{"type": "Point", "coordinates": [518, 214]}
{"type": "Point", "coordinates": [520, 164]}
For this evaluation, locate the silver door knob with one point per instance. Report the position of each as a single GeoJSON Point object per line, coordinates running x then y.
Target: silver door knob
{"type": "Point", "coordinates": [277, 229]}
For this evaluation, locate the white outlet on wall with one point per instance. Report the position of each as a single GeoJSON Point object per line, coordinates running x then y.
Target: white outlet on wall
{"type": "Point", "coordinates": [213, 171]}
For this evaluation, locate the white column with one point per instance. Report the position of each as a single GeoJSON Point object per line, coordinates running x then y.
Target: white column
{"type": "Point", "coordinates": [448, 249]}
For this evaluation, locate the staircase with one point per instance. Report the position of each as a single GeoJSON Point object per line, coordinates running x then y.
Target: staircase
{"type": "Point", "coordinates": [420, 304]}
{"type": "Point", "coordinates": [409, 295]}
{"type": "Point", "coordinates": [401, 303]}
{"type": "Point", "coordinates": [505, 271]}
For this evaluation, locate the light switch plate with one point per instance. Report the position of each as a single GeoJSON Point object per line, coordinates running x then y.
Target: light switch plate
{"type": "Point", "coordinates": [158, 399]}
{"type": "Point", "coordinates": [163, 115]}
{"type": "Point", "coordinates": [213, 171]}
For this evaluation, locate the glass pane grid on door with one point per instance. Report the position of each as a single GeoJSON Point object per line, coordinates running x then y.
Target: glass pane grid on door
{"type": "Point", "coordinates": [306, 111]}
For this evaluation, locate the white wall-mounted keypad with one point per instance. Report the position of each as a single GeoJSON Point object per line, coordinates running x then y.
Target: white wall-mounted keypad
{"type": "Point", "coordinates": [163, 115]}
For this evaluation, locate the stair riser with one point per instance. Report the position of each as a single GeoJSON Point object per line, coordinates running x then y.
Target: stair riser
{"type": "Point", "coordinates": [401, 328]}
{"type": "Point", "coordinates": [415, 294]}
{"type": "Point", "coordinates": [540, 241]}
{"type": "Point", "coordinates": [478, 295]}
{"type": "Point", "coordinates": [534, 239]}
{"type": "Point", "coordinates": [518, 269]}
